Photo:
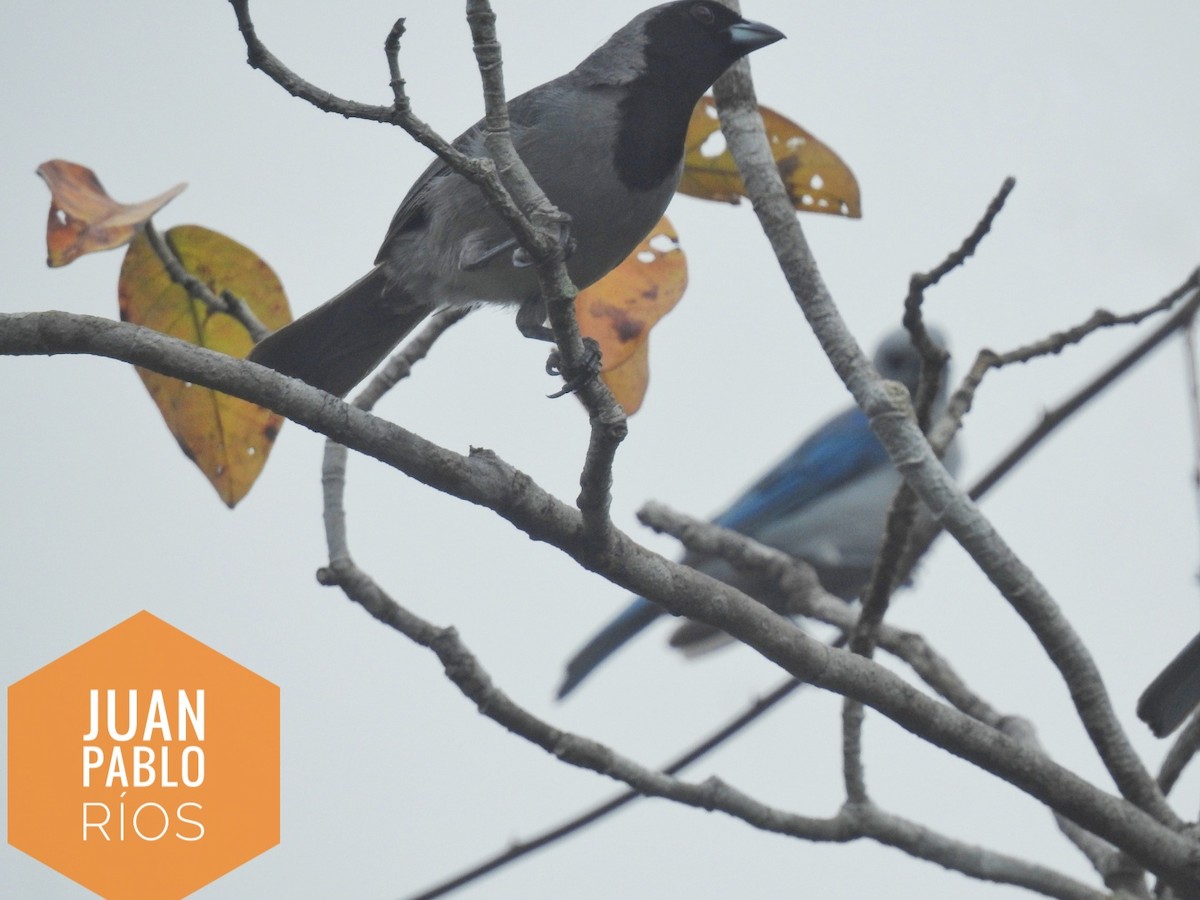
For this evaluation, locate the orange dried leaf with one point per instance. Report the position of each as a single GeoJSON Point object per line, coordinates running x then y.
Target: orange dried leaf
{"type": "Point", "coordinates": [83, 218]}
{"type": "Point", "coordinates": [227, 438]}
{"type": "Point", "coordinates": [629, 380]}
{"type": "Point", "coordinates": [619, 310]}
{"type": "Point", "coordinates": [816, 178]}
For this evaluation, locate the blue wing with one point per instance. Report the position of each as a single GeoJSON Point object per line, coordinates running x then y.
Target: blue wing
{"type": "Point", "coordinates": [842, 449]}
{"type": "Point", "coordinates": [636, 616]}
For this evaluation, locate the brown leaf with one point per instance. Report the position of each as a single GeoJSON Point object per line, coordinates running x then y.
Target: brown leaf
{"type": "Point", "coordinates": [816, 178]}
{"type": "Point", "coordinates": [83, 218]}
{"type": "Point", "coordinates": [619, 310]}
{"type": "Point", "coordinates": [629, 381]}
{"type": "Point", "coordinates": [227, 438]}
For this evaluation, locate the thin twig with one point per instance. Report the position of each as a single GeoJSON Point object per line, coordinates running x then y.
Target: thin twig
{"type": "Point", "coordinates": [854, 775]}
{"type": "Point", "coordinates": [1052, 419]}
{"type": "Point", "coordinates": [919, 282]}
{"type": "Point", "coordinates": [391, 49]}
{"type": "Point", "coordinates": [480, 170]}
{"type": "Point", "coordinates": [876, 598]}
{"type": "Point", "coordinates": [933, 357]}
{"type": "Point", "coordinates": [582, 820]}
{"type": "Point", "coordinates": [400, 365]}
{"type": "Point", "coordinates": [1182, 752]}
{"type": "Point", "coordinates": [228, 302]}
{"type": "Point", "coordinates": [963, 398]}
{"type": "Point", "coordinates": [333, 465]}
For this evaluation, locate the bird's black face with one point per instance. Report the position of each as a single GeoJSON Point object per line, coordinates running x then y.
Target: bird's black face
{"type": "Point", "coordinates": [684, 48]}
{"type": "Point", "coordinates": [693, 41]}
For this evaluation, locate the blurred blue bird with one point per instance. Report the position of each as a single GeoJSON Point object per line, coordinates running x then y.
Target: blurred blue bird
{"type": "Point", "coordinates": [825, 503]}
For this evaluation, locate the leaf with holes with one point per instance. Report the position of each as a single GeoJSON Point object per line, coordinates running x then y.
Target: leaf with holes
{"type": "Point", "coordinates": [619, 310]}
{"type": "Point", "coordinates": [227, 438]}
{"type": "Point", "coordinates": [816, 178]}
{"type": "Point", "coordinates": [83, 218]}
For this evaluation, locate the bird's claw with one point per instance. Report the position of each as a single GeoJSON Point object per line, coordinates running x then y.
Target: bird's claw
{"type": "Point", "coordinates": [573, 381]}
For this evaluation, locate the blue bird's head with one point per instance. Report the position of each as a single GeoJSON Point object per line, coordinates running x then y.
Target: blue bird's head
{"type": "Point", "coordinates": [896, 359]}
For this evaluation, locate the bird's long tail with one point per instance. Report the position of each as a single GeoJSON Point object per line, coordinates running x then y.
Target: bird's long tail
{"type": "Point", "coordinates": [1174, 693]}
{"type": "Point", "coordinates": [636, 616]}
{"type": "Point", "coordinates": [338, 343]}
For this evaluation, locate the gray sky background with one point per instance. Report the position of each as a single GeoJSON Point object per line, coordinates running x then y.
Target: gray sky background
{"type": "Point", "coordinates": [391, 780]}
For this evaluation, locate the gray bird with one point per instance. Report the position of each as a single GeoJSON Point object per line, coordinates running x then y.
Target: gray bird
{"type": "Point", "coordinates": [826, 503]}
{"type": "Point", "coordinates": [605, 143]}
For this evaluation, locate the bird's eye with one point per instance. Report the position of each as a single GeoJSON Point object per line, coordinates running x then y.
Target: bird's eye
{"type": "Point", "coordinates": [703, 14]}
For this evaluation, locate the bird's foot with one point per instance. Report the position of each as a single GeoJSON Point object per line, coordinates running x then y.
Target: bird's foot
{"type": "Point", "coordinates": [574, 380]}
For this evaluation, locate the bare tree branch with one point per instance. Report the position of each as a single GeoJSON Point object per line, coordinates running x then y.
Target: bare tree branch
{"type": "Point", "coordinates": [484, 479]}
{"type": "Point", "coordinates": [855, 820]}
{"type": "Point", "coordinates": [950, 422]}
{"type": "Point", "coordinates": [519, 849]}
{"type": "Point", "coordinates": [796, 580]}
{"type": "Point", "coordinates": [932, 668]}
{"type": "Point", "coordinates": [787, 573]}
{"type": "Point", "coordinates": [1118, 871]}
{"type": "Point", "coordinates": [985, 865]}
{"type": "Point", "coordinates": [921, 281]}
{"type": "Point", "coordinates": [913, 456]}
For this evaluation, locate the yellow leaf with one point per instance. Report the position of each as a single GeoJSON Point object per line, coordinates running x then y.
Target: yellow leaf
{"type": "Point", "coordinates": [83, 218]}
{"type": "Point", "coordinates": [629, 380]}
{"type": "Point", "coordinates": [227, 438]}
{"type": "Point", "coordinates": [816, 178]}
{"type": "Point", "coordinates": [619, 310]}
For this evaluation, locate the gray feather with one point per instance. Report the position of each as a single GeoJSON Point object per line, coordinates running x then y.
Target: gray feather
{"type": "Point", "coordinates": [336, 344]}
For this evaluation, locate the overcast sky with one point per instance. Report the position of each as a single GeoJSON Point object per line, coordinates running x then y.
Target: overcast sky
{"type": "Point", "coordinates": [391, 780]}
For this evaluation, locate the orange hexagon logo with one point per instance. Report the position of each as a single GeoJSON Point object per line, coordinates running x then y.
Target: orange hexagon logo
{"type": "Point", "coordinates": [143, 764]}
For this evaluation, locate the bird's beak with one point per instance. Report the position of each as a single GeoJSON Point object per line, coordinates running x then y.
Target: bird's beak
{"type": "Point", "coordinates": [749, 36]}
